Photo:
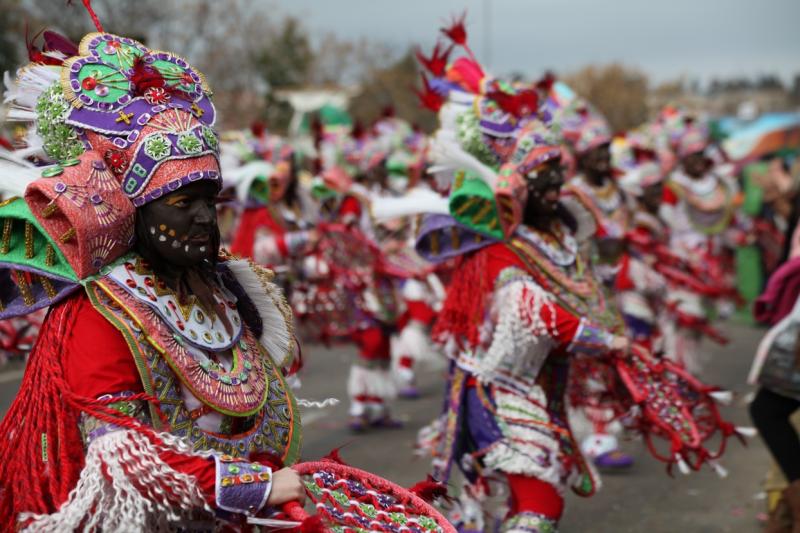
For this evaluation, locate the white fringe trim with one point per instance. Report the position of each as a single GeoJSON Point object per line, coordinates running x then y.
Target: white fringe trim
{"type": "Point", "coordinates": [371, 382]}
{"type": "Point", "coordinates": [277, 336]}
{"type": "Point", "coordinates": [522, 340]}
{"type": "Point", "coordinates": [125, 487]}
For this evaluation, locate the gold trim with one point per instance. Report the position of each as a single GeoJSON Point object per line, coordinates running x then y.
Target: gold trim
{"type": "Point", "coordinates": [29, 252]}
{"type": "Point", "coordinates": [50, 255]}
{"type": "Point", "coordinates": [5, 245]}
{"type": "Point", "coordinates": [48, 287]}
{"type": "Point", "coordinates": [68, 235]}
{"type": "Point", "coordinates": [24, 288]}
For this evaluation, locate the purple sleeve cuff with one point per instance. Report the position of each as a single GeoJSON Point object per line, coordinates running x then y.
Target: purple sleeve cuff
{"type": "Point", "coordinates": [590, 339]}
{"type": "Point", "coordinates": [242, 487]}
{"type": "Point", "coordinates": [295, 241]}
{"type": "Point", "coordinates": [93, 428]}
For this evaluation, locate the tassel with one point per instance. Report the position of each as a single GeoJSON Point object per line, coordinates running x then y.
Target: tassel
{"type": "Point", "coordinates": [721, 471]}
{"type": "Point", "coordinates": [334, 457]}
{"type": "Point", "coordinates": [682, 466]}
{"type": "Point", "coordinates": [430, 490]}
{"type": "Point", "coordinates": [746, 431]}
{"type": "Point", "coordinates": [724, 397]}
{"type": "Point", "coordinates": [313, 524]}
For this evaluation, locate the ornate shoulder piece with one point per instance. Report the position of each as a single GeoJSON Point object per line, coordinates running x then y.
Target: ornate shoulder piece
{"type": "Point", "coordinates": [36, 271]}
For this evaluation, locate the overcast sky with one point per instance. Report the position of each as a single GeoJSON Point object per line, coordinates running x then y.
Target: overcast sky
{"type": "Point", "coordinates": [665, 38]}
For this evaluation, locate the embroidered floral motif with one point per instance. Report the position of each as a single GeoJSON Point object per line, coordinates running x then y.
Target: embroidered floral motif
{"type": "Point", "coordinates": [157, 146]}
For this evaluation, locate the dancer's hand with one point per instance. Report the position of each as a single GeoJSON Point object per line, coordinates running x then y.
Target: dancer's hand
{"type": "Point", "coordinates": [286, 487]}
{"type": "Point", "coordinates": [622, 345]}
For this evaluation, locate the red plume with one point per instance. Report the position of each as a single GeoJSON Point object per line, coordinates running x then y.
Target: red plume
{"type": "Point", "coordinates": [145, 76]}
{"type": "Point", "coordinates": [546, 83]}
{"type": "Point", "coordinates": [35, 55]}
{"type": "Point", "coordinates": [358, 131]}
{"type": "Point", "coordinates": [334, 457]}
{"type": "Point", "coordinates": [88, 5]}
{"type": "Point", "coordinates": [430, 489]}
{"type": "Point", "coordinates": [58, 43]}
{"type": "Point", "coordinates": [522, 104]}
{"type": "Point", "coordinates": [583, 112]}
{"type": "Point", "coordinates": [388, 111]}
{"type": "Point", "coordinates": [257, 128]}
{"type": "Point", "coordinates": [5, 143]}
{"type": "Point", "coordinates": [437, 62]}
{"type": "Point", "coordinates": [643, 154]}
{"type": "Point", "coordinates": [429, 98]}
{"type": "Point", "coordinates": [457, 32]}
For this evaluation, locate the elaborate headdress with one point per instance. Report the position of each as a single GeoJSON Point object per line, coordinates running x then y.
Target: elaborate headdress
{"type": "Point", "coordinates": [491, 136]}
{"type": "Point", "coordinates": [123, 125]}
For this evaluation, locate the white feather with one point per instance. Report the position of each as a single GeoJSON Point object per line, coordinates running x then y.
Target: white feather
{"type": "Point", "coordinates": [416, 201]}
{"type": "Point", "coordinates": [277, 336]}
{"type": "Point", "coordinates": [31, 82]}
{"type": "Point", "coordinates": [16, 173]}
{"type": "Point", "coordinates": [587, 225]}
{"type": "Point", "coordinates": [447, 152]}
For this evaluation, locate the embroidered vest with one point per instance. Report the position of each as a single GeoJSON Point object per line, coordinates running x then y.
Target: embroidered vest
{"type": "Point", "coordinates": [174, 345]}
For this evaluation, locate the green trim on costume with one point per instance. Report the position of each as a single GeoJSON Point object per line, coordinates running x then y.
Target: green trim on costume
{"type": "Point", "coordinates": [473, 205]}
{"type": "Point", "coordinates": [23, 242]}
{"type": "Point", "coordinates": [138, 358]}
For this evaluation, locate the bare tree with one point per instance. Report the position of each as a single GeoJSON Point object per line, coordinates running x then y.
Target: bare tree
{"type": "Point", "coordinates": [619, 92]}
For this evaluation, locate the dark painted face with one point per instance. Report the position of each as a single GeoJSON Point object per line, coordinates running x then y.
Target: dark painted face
{"type": "Point", "coordinates": [544, 190]}
{"type": "Point", "coordinates": [696, 164]}
{"type": "Point", "coordinates": [597, 161]}
{"type": "Point", "coordinates": [652, 196]}
{"type": "Point", "coordinates": [181, 228]}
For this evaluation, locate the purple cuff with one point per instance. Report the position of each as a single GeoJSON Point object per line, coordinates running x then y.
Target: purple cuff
{"type": "Point", "coordinates": [242, 487]}
{"type": "Point", "coordinates": [295, 241]}
{"type": "Point", "coordinates": [590, 339]}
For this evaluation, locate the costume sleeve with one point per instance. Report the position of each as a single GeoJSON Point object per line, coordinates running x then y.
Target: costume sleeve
{"type": "Point", "coordinates": [529, 325]}
{"type": "Point", "coordinates": [99, 365]}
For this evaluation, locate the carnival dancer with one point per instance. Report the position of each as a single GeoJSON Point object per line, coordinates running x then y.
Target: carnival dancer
{"type": "Point", "coordinates": [277, 223]}
{"type": "Point", "coordinates": [515, 313]}
{"type": "Point", "coordinates": [519, 307]}
{"type": "Point", "coordinates": [594, 197]}
{"type": "Point", "coordinates": [354, 286]}
{"type": "Point", "coordinates": [640, 287]}
{"type": "Point", "coordinates": [700, 208]}
{"type": "Point", "coordinates": [154, 397]}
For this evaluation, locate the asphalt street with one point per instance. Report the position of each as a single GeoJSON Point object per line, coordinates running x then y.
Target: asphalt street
{"type": "Point", "coordinates": [642, 499]}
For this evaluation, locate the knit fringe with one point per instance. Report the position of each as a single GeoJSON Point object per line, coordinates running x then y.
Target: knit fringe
{"type": "Point", "coordinates": [277, 336]}
{"type": "Point", "coordinates": [376, 382]}
{"type": "Point", "coordinates": [126, 487]}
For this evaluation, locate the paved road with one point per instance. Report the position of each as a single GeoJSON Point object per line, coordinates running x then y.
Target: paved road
{"type": "Point", "coordinates": [643, 499]}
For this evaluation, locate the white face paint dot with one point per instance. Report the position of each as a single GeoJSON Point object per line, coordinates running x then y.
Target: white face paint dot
{"type": "Point", "coordinates": [152, 230]}
{"type": "Point", "coordinates": [176, 244]}
{"type": "Point", "coordinates": [202, 248]}
{"type": "Point", "coordinates": [186, 248]}
{"type": "Point", "coordinates": [162, 238]}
